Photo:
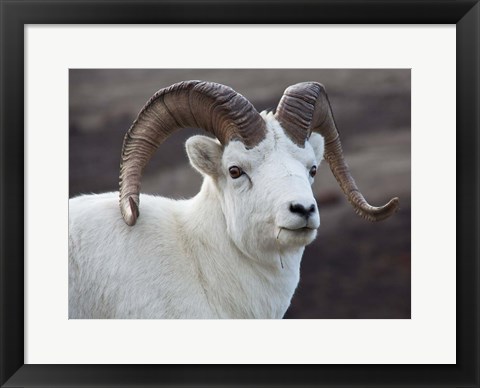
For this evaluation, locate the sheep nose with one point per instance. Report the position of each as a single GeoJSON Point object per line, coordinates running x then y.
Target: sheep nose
{"type": "Point", "coordinates": [302, 210]}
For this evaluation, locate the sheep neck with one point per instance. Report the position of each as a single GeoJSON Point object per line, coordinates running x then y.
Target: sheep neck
{"type": "Point", "coordinates": [239, 285]}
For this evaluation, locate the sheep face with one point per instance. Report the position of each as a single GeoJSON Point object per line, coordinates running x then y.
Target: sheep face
{"type": "Point", "coordinates": [265, 192]}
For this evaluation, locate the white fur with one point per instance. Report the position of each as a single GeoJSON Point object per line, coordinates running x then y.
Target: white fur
{"type": "Point", "coordinates": [229, 252]}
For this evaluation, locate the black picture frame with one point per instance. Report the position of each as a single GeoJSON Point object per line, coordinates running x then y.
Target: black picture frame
{"type": "Point", "coordinates": [16, 14]}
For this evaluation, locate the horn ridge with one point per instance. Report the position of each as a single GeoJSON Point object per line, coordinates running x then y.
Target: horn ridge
{"type": "Point", "coordinates": [213, 107]}
{"type": "Point", "coordinates": [319, 118]}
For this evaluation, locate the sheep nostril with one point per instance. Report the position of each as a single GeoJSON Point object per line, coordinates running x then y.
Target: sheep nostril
{"type": "Point", "coordinates": [302, 210]}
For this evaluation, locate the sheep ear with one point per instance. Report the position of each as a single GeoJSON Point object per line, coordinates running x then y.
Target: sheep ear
{"type": "Point", "coordinates": [318, 145]}
{"type": "Point", "coordinates": [205, 154]}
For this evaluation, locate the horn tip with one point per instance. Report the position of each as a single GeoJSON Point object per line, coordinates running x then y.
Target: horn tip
{"type": "Point", "coordinates": [388, 210]}
{"type": "Point", "coordinates": [130, 212]}
{"type": "Point", "coordinates": [394, 203]}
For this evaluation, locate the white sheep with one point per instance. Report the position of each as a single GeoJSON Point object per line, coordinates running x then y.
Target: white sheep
{"type": "Point", "coordinates": [233, 250]}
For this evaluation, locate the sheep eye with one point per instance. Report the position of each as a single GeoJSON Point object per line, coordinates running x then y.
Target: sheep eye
{"type": "Point", "coordinates": [235, 172]}
{"type": "Point", "coordinates": [313, 171]}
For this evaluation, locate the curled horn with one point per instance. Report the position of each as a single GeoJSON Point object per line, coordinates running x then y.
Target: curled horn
{"type": "Point", "coordinates": [213, 107]}
{"type": "Point", "coordinates": [305, 108]}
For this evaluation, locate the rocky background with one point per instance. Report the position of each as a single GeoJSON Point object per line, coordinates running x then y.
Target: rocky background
{"type": "Point", "coordinates": [354, 269]}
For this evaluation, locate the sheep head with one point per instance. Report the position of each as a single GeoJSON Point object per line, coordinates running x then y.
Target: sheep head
{"type": "Point", "coordinates": [265, 192]}
{"type": "Point", "coordinates": [262, 164]}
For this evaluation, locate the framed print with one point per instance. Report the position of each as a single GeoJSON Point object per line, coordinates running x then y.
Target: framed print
{"type": "Point", "coordinates": [326, 290]}
{"type": "Point", "coordinates": [392, 303]}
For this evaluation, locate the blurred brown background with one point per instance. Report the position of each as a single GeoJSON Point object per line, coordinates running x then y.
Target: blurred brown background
{"type": "Point", "coordinates": [354, 269]}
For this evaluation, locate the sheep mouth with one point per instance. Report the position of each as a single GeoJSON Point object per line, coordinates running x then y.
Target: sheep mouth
{"type": "Point", "coordinates": [304, 229]}
{"type": "Point", "coordinates": [296, 236]}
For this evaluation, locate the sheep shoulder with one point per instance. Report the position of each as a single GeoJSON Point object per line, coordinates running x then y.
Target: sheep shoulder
{"type": "Point", "coordinates": [117, 271]}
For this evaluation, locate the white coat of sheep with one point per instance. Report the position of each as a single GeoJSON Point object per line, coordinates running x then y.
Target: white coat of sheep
{"type": "Point", "coordinates": [233, 250]}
